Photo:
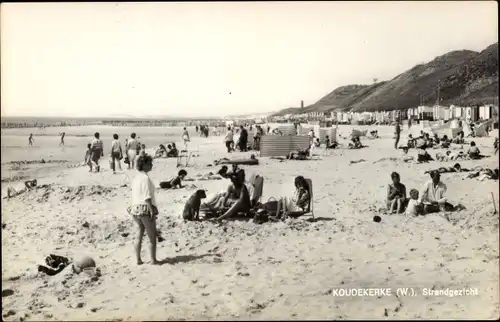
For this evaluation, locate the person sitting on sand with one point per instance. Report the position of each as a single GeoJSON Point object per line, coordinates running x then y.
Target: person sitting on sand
{"type": "Point", "coordinates": [175, 182]}
{"type": "Point", "coordinates": [433, 195]}
{"type": "Point", "coordinates": [299, 201]}
{"type": "Point", "coordinates": [28, 185]}
{"type": "Point", "coordinates": [356, 143]}
{"type": "Point", "coordinates": [237, 197]}
{"type": "Point", "coordinates": [474, 153]}
{"type": "Point", "coordinates": [423, 156]}
{"type": "Point", "coordinates": [173, 152]}
{"type": "Point", "coordinates": [161, 152]}
{"type": "Point", "coordinates": [329, 145]}
{"type": "Point", "coordinates": [459, 139]}
{"type": "Point", "coordinates": [396, 195]}
{"type": "Point", "coordinates": [436, 138]}
{"type": "Point", "coordinates": [143, 208]}
{"type": "Point", "coordinates": [445, 142]}
{"type": "Point", "coordinates": [316, 142]}
{"type": "Point", "coordinates": [411, 142]}
{"type": "Point", "coordinates": [414, 207]}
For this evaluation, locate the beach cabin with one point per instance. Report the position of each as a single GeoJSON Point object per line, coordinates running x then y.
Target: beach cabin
{"type": "Point", "coordinates": [472, 113]}
{"type": "Point", "coordinates": [486, 112]}
{"type": "Point", "coordinates": [441, 113]}
{"type": "Point", "coordinates": [425, 113]}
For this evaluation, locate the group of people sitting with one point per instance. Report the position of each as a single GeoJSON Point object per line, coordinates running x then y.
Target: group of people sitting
{"type": "Point", "coordinates": [242, 198]}
{"type": "Point", "coordinates": [431, 198]}
{"type": "Point", "coordinates": [426, 141]}
{"type": "Point", "coordinates": [169, 152]}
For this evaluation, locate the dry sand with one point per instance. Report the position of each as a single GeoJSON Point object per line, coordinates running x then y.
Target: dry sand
{"type": "Point", "coordinates": [241, 270]}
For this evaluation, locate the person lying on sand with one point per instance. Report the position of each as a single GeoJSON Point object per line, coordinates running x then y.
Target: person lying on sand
{"type": "Point", "coordinates": [143, 209]}
{"type": "Point", "coordinates": [28, 185]}
{"type": "Point", "coordinates": [433, 195]}
{"type": "Point", "coordinates": [251, 161]}
{"type": "Point", "coordinates": [175, 182]}
{"type": "Point", "coordinates": [456, 168]}
{"type": "Point", "coordinates": [396, 195]}
{"type": "Point", "coordinates": [484, 173]}
{"type": "Point", "coordinates": [221, 174]}
{"type": "Point", "coordinates": [299, 154]}
{"type": "Point", "coordinates": [423, 156]}
{"type": "Point", "coordinates": [237, 197]}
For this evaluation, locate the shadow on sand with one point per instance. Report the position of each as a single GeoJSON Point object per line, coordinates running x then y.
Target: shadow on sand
{"type": "Point", "coordinates": [186, 258]}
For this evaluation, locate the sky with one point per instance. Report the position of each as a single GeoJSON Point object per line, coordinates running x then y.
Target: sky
{"type": "Point", "coordinates": [217, 58]}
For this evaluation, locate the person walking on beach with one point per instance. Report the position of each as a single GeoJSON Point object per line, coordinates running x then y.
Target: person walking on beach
{"type": "Point", "coordinates": [30, 139]}
{"type": "Point", "coordinates": [243, 141]}
{"type": "Point", "coordinates": [143, 209]}
{"type": "Point", "coordinates": [131, 148]}
{"type": "Point", "coordinates": [229, 139]}
{"type": "Point", "coordinates": [116, 153]}
{"type": "Point", "coordinates": [185, 137]}
{"type": "Point", "coordinates": [398, 134]}
{"type": "Point", "coordinates": [97, 148]}
{"type": "Point", "coordinates": [62, 138]}
{"type": "Point", "coordinates": [196, 128]}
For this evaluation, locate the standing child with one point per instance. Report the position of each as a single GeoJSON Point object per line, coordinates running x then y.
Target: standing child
{"type": "Point", "coordinates": [116, 153]}
{"type": "Point", "coordinates": [88, 156]}
{"type": "Point", "coordinates": [30, 139]}
{"type": "Point", "coordinates": [143, 208]}
{"type": "Point", "coordinates": [185, 137]}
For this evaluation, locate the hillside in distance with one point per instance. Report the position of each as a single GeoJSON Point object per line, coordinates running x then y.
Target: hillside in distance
{"type": "Point", "coordinates": [464, 77]}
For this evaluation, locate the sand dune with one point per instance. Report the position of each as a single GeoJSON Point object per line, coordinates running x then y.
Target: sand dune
{"type": "Point", "coordinates": [241, 270]}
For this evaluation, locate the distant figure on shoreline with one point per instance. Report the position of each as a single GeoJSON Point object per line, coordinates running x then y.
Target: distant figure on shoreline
{"type": "Point", "coordinates": [185, 137]}
{"type": "Point", "coordinates": [62, 138]}
{"type": "Point", "coordinates": [131, 148]}
{"type": "Point", "coordinates": [97, 151]}
{"type": "Point", "coordinates": [398, 134]}
{"type": "Point", "coordinates": [30, 139]}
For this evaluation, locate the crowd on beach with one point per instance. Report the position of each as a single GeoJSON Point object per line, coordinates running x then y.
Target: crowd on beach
{"type": "Point", "coordinates": [241, 198]}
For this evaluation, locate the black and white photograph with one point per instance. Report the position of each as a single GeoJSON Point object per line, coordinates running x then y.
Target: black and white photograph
{"type": "Point", "coordinates": [250, 160]}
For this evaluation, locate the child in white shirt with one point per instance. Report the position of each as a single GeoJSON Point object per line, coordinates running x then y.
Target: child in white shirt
{"type": "Point", "coordinates": [414, 207]}
{"type": "Point", "coordinates": [143, 209]}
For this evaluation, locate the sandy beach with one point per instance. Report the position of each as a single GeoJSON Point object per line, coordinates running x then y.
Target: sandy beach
{"type": "Point", "coordinates": [242, 270]}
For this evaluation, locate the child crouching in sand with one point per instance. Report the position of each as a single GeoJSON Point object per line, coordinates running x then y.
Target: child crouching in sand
{"type": "Point", "coordinates": [143, 208]}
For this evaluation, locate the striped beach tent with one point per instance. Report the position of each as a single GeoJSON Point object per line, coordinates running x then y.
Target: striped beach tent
{"type": "Point", "coordinates": [287, 129]}
{"type": "Point", "coordinates": [282, 145]}
{"type": "Point", "coordinates": [330, 131]}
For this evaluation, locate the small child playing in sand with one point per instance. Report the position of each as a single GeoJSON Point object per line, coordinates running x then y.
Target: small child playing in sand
{"type": "Point", "coordinates": [143, 208]}
{"type": "Point", "coordinates": [13, 192]}
{"type": "Point", "coordinates": [176, 182]}
{"type": "Point", "coordinates": [414, 207]}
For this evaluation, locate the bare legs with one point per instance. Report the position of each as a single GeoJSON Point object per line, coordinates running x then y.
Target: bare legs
{"type": "Point", "coordinates": [148, 224]}
{"type": "Point", "coordinates": [396, 206]}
